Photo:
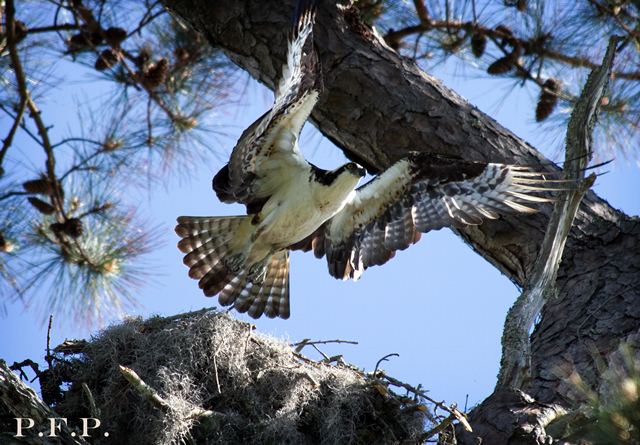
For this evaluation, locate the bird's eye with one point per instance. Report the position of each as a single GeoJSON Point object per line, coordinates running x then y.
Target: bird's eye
{"type": "Point", "coordinates": [351, 166]}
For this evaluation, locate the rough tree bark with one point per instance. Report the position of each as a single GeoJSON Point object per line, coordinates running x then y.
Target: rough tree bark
{"type": "Point", "coordinates": [17, 400]}
{"type": "Point", "coordinates": [377, 106]}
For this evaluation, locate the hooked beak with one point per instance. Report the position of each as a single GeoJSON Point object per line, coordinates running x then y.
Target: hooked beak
{"type": "Point", "coordinates": [362, 171]}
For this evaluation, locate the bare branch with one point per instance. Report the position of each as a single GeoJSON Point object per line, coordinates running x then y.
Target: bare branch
{"type": "Point", "coordinates": [452, 409]}
{"type": "Point", "coordinates": [53, 28]}
{"type": "Point", "coordinates": [49, 357]}
{"type": "Point", "coordinates": [11, 44]}
{"type": "Point", "coordinates": [25, 97]}
{"type": "Point", "coordinates": [421, 10]}
{"type": "Point", "coordinates": [150, 394]}
{"type": "Point", "coordinates": [514, 365]}
{"type": "Point", "coordinates": [384, 359]}
{"type": "Point", "coordinates": [307, 342]}
{"type": "Point", "coordinates": [143, 389]}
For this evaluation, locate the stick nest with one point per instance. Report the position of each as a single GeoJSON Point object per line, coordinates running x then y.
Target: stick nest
{"type": "Point", "coordinates": [259, 389]}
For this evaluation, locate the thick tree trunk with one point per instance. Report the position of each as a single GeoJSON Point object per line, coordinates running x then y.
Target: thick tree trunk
{"type": "Point", "coordinates": [378, 106]}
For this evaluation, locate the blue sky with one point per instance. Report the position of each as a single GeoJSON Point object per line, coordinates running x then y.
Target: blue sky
{"type": "Point", "coordinates": [438, 305]}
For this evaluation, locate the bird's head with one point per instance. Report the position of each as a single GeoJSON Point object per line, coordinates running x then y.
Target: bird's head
{"type": "Point", "coordinates": [347, 176]}
{"type": "Point", "coordinates": [336, 187]}
{"type": "Point", "coordinates": [354, 169]}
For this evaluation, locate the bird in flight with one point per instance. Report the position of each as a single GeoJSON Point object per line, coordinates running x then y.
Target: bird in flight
{"type": "Point", "coordinates": [293, 205]}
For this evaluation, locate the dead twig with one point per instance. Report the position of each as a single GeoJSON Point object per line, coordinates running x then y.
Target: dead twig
{"type": "Point", "coordinates": [49, 357]}
{"type": "Point", "coordinates": [325, 357]}
{"type": "Point", "coordinates": [307, 342]}
{"type": "Point", "coordinates": [452, 409]}
{"type": "Point", "coordinates": [384, 359]}
{"type": "Point", "coordinates": [437, 429]}
{"type": "Point", "coordinates": [143, 389]}
{"type": "Point", "coordinates": [17, 366]}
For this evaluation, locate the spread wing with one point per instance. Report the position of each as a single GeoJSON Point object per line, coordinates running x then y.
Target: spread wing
{"type": "Point", "coordinates": [269, 146]}
{"type": "Point", "coordinates": [417, 194]}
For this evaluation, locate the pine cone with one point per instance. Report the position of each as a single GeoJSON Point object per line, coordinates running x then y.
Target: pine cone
{"type": "Point", "coordinates": [73, 227]}
{"type": "Point", "coordinates": [106, 59]}
{"type": "Point", "coordinates": [96, 38]}
{"type": "Point", "coordinates": [500, 66]}
{"type": "Point", "coordinates": [79, 41]}
{"type": "Point", "coordinates": [114, 36]}
{"type": "Point", "coordinates": [57, 228]}
{"type": "Point", "coordinates": [506, 63]}
{"type": "Point", "coordinates": [41, 186]}
{"type": "Point", "coordinates": [548, 99]}
{"type": "Point", "coordinates": [43, 207]}
{"type": "Point", "coordinates": [142, 58]}
{"type": "Point", "coordinates": [84, 40]}
{"type": "Point", "coordinates": [478, 44]}
{"type": "Point", "coordinates": [156, 74]}
{"type": "Point", "coordinates": [507, 34]}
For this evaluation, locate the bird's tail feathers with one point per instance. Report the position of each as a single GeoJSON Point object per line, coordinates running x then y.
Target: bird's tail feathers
{"type": "Point", "coordinates": [263, 289]}
{"type": "Point", "coordinates": [216, 249]}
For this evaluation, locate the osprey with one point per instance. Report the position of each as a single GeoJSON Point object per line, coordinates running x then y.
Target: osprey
{"type": "Point", "coordinates": [292, 204]}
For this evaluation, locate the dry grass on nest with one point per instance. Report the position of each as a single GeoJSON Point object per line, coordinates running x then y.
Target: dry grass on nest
{"type": "Point", "coordinates": [261, 391]}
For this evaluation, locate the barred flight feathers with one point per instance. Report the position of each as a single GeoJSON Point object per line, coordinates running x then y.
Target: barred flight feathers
{"type": "Point", "coordinates": [267, 293]}
{"type": "Point", "coordinates": [421, 193]}
{"type": "Point", "coordinates": [210, 245]}
{"type": "Point", "coordinates": [301, 58]}
{"type": "Point", "coordinates": [276, 132]}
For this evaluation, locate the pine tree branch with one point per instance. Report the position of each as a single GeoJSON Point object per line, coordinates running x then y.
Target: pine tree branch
{"type": "Point", "coordinates": [421, 10]}
{"type": "Point", "coordinates": [11, 44]}
{"type": "Point", "coordinates": [25, 97]}
{"type": "Point", "coordinates": [53, 28]}
{"type": "Point", "coordinates": [395, 36]}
